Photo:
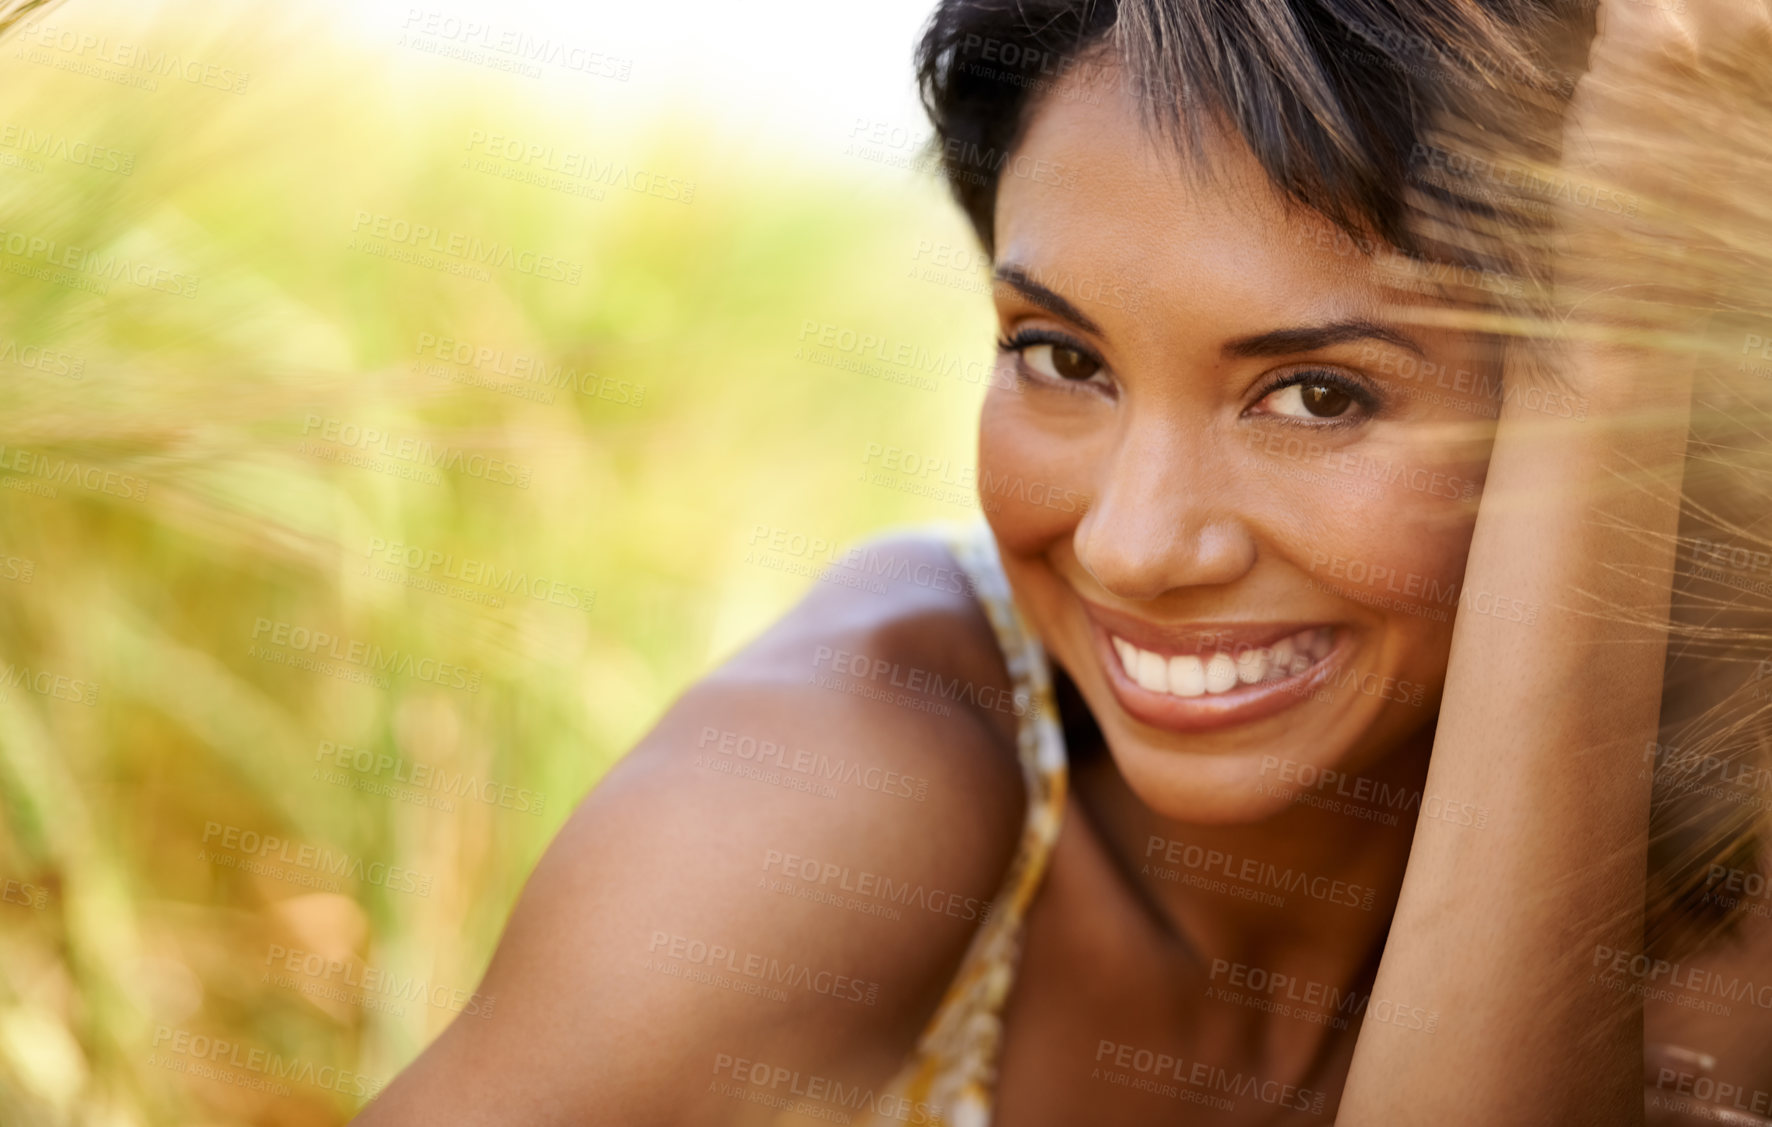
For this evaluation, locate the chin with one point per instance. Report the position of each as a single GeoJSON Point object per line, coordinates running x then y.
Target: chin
{"type": "Point", "coordinates": [1232, 782]}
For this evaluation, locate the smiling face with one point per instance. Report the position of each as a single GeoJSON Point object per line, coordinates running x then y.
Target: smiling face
{"type": "Point", "coordinates": [1232, 479]}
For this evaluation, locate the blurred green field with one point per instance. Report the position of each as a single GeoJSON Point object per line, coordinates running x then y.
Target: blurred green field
{"type": "Point", "coordinates": [331, 581]}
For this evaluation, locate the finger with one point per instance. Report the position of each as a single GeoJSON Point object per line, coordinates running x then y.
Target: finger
{"type": "Point", "coordinates": [1635, 27]}
{"type": "Point", "coordinates": [1728, 24]}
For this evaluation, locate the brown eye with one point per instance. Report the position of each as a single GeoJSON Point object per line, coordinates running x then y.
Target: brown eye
{"type": "Point", "coordinates": [1323, 401]}
{"type": "Point", "coordinates": [1060, 362]}
{"type": "Point", "coordinates": [1315, 399]}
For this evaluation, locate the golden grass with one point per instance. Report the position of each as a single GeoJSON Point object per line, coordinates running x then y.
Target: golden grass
{"type": "Point", "coordinates": [134, 923]}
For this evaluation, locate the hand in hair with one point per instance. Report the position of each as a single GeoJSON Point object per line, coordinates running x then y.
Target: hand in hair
{"type": "Point", "coordinates": [1675, 115]}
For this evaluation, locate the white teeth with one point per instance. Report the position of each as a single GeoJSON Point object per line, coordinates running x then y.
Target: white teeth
{"type": "Point", "coordinates": [1281, 654]}
{"type": "Point", "coordinates": [1221, 673]}
{"type": "Point", "coordinates": [1128, 656]}
{"type": "Point", "coordinates": [1192, 675]}
{"type": "Point", "coordinates": [1153, 672]}
{"type": "Point", "coordinates": [1252, 666]}
{"type": "Point", "coordinates": [1187, 676]}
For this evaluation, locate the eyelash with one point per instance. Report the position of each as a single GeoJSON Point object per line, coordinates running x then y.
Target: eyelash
{"type": "Point", "coordinates": [1022, 339]}
{"type": "Point", "coordinates": [1365, 398]}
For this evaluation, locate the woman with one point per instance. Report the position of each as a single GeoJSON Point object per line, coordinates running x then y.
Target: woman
{"type": "Point", "coordinates": [1173, 795]}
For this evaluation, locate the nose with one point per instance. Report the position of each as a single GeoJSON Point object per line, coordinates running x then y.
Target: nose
{"type": "Point", "coordinates": [1164, 516]}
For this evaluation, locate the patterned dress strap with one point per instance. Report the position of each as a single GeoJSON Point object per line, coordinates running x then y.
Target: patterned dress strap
{"type": "Point", "coordinates": [954, 1069]}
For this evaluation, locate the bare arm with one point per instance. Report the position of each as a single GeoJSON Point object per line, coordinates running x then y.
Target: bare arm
{"type": "Point", "coordinates": [1511, 932]}
{"type": "Point", "coordinates": [1497, 929]}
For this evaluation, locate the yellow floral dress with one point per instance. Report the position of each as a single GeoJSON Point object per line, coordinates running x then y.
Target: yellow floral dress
{"type": "Point", "coordinates": [952, 1074]}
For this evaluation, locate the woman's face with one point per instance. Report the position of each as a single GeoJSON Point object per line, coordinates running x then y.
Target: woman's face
{"type": "Point", "coordinates": [1232, 481]}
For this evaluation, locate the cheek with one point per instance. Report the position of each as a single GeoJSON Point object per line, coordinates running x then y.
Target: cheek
{"type": "Point", "coordinates": [1398, 547]}
{"type": "Point", "coordinates": [1033, 471]}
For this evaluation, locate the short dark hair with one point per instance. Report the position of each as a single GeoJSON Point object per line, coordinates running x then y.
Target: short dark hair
{"type": "Point", "coordinates": [1339, 100]}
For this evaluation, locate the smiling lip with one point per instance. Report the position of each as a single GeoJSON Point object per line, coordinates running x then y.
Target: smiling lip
{"type": "Point", "coordinates": [1266, 667]}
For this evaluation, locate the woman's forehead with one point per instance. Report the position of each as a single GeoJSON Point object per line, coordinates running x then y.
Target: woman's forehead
{"type": "Point", "coordinates": [1093, 195]}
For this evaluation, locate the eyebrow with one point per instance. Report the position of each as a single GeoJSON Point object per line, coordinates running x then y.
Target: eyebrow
{"type": "Point", "coordinates": [1285, 342]}
{"type": "Point", "coordinates": [1023, 283]}
{"type": "Point", "coordinates": [1279, 342]}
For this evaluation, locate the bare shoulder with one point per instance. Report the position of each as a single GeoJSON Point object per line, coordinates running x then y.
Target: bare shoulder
{"type": "Point", "coordinates": [785, 871]}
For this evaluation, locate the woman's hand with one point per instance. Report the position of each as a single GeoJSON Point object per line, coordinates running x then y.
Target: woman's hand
{"type": "Point", "coordinates": [1674, 115]}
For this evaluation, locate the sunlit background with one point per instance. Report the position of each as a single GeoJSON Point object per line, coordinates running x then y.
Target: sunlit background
{"type": "Point", "coordinates": [405, 403]}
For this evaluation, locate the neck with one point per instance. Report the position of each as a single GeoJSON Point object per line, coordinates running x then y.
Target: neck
{"type": "Point", "coordinates": [1307, 892]}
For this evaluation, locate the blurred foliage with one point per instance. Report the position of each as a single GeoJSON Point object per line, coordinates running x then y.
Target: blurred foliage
{"type": "Point", "coordinates": [184, 512]}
